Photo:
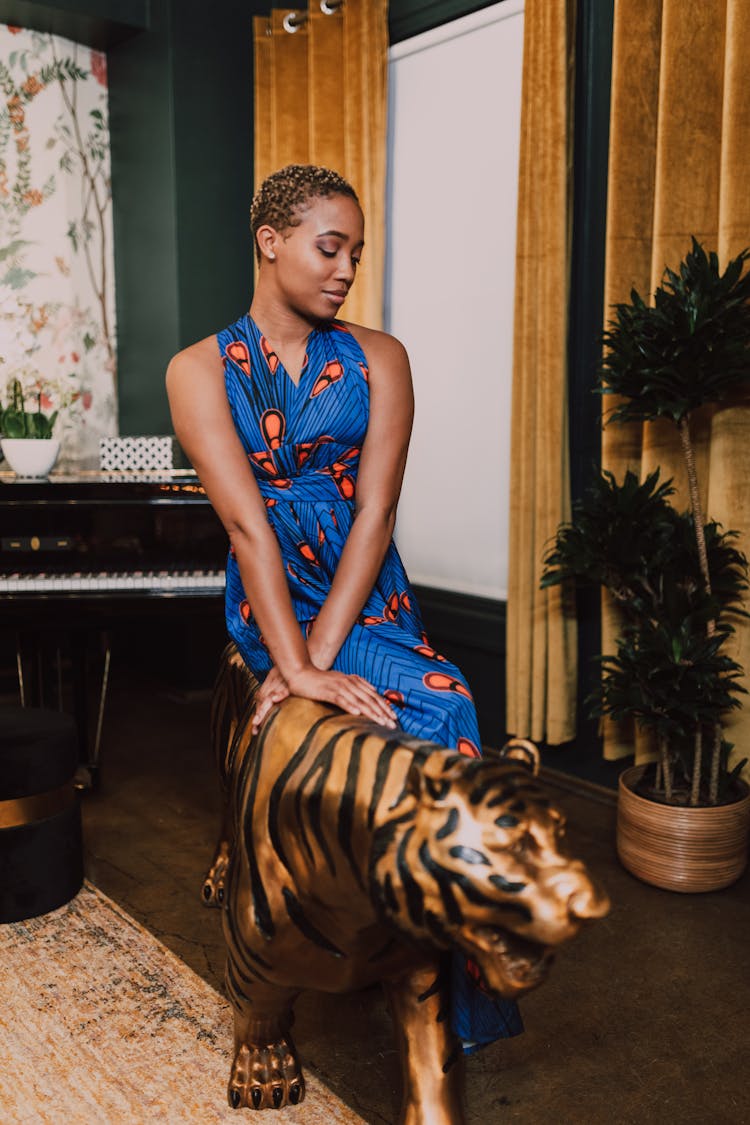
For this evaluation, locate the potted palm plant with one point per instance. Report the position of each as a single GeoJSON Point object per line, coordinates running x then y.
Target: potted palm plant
{"type": "Point", "coordinates": [677, 579]}
{"type": "Point", "coordinates": [27, 440]}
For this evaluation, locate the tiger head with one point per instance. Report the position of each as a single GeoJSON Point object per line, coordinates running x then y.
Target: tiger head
{"type": "Point", "coordinates": [472, 858]}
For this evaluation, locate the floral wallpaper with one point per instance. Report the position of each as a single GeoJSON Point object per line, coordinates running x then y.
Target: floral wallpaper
{"type": "Point", "coordinates": [57, 323]}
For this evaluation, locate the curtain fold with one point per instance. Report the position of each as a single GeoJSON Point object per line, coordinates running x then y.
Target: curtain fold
{"type": "Point", "coordinates": [321, 98]}
{"type": "Point", "coordinates": [679, 164]}
{"type": "Point", "coordinates": [541, 638]}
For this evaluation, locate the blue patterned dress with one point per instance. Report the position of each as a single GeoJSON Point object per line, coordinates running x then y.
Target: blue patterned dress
{"type": "Point", "coordinates": [303, 442]}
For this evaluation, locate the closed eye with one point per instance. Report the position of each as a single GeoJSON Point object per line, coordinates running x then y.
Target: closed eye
{"type": "Point", "coordinates": [334, 253]}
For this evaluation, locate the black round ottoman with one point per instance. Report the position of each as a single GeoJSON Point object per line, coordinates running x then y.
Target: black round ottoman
{"type": "Point", "coordinates": [41, 853]}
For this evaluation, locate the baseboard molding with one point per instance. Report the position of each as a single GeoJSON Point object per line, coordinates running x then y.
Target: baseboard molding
{"type": "Point", "coordinates": [470, 631]}
{"type": "Point", "coordinates": [578, 785]}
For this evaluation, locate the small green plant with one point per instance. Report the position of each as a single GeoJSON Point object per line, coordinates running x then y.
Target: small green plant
{"type": "Point", "coordinates": [668, 672]}
{"type": "Point", "coordinates": [677, 578]}
{"type": "Point", "coordinates": [18, 422]}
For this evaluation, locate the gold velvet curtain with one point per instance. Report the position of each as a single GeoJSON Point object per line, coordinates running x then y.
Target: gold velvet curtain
{"type": "Point", "coordinates": [679, 164]}
{"type": "Point", "coordinates": [320, 98]}
{"type": "Point", "coordinates": [541, 639]}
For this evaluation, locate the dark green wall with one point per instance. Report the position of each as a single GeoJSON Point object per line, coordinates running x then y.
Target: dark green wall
{"type": "Point", "coordinates": [141, 107]}
{"type": "Point", "coordinates": [97, 23]}
{"type": "Point", "coordinates": [181, 117]}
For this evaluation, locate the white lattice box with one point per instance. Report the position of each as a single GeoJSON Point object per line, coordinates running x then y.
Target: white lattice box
{"type": "Point", "coordinates": [135, 454]}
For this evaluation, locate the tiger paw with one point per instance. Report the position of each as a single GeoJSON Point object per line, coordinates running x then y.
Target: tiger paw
{"type": "Point", "coordinates": [213, 891]}
{"type": "Point", "coordinates": [266, 1077]}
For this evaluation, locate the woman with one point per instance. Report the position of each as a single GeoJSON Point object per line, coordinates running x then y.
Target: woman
{"type": "Point", "coordinates": [298, 425]}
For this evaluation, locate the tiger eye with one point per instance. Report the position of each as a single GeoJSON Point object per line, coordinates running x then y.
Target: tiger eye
{"type": "Point", "coordinates": [507, 821]}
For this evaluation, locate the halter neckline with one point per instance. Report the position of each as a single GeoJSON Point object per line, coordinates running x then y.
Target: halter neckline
{"type": "Point", "coordinates": [314, 332]}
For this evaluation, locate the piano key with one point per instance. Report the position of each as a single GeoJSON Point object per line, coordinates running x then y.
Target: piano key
{"type": "Point", "coordinates": [102, 581]}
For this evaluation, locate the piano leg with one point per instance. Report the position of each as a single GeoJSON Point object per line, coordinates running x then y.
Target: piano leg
{"type": "Point", "coordinates": [94, 762]}
{"type": "Point", "coordinates": [19, 669]}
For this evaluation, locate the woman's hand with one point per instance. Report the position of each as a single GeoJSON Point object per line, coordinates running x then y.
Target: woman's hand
{"type": "Point", "coordinates": [273, 689]}
{"type": "Point", "coordinates": [351, 693]}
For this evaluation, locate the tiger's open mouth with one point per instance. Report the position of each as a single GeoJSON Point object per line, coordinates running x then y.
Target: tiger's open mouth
{"type": "Point", "coordinates": [509, 964]}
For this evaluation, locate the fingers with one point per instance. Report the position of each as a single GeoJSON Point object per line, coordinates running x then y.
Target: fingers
{"type": "Point", "coordinates": [352, 694]}
{"type": "Point", "coordinates": [273, 690]}
{"type": "Point", "coordinates": [358, 697]}
{"type": "Point", "coordinates": [261, 710]}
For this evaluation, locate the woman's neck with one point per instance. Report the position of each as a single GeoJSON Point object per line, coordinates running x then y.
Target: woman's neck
{"type": "Point", "coordinates": [280, 325]}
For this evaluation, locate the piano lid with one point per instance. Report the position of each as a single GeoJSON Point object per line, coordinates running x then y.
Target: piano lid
{"type": "Point", "coordinates": [175, 486]}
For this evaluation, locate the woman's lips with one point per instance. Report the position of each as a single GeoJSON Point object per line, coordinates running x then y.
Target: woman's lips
{"type": "Point", "coordinates": [337, 298]}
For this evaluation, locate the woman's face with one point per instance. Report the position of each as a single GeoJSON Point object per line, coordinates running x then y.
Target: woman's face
{"type": "Point", "coordinates": [316, 262]}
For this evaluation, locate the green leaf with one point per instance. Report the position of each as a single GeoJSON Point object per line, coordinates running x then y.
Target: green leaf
{"type": "Point", "coordinates": [16, 277]}
{"type": "Point", "coordinates": [13, 248]}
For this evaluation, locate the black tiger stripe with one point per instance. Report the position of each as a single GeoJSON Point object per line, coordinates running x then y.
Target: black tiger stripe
{"type": "Point", "coordinates": [436, 985]}
{"type": "Point", "coordinates": [435, 925]}
{"type": "Point", "coordinates": [239, 951]}
{"type": "Point", "coordinates": [442, 878]}
{"type": "Point", "coordinates": [231, 974]}
{"type": "Point", "coordinates": [305, 926]}
{"type": "Point", "coordinates": [469, 855]}
{"type": "Point", "coordinates": [478, 898]}
{"type": "Point", "coordinates": [239, 736]}
{"type": "Point", "coordinates": [390, 895]}
{"type": "Point", "coordinates": [381, 774]}
{"type": "Point", "coordinates": [504, 884]}
{"type": "Point", "coordinates": [450, 825]}
{"type": "Point", "coordinates": [407, 788]}
{"type": "Point", "coordinates": [278, 790]}
{"type": "Point", "coordinates": [241, 948]}
{"type": "Point", "coordinates": [412, 890]}
{"type": "Point", "coordinates": [384, 837]}
{"type": "Point", "coordinates": [347, 806]}
{"type": "Point", "coordinates": [261, 909]}
{"type": "Point", "coordinates": [323, 762]}
{"type": "Point", "coordinates": [453, 1058]}
{"type": "Point", "coordinates": [314, 802]}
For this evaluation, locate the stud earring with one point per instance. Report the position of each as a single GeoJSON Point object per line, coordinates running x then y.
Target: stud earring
{"type": "Point", "coordinates": [272, 257]}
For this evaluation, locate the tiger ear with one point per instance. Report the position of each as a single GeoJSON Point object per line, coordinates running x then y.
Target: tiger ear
{"type": "Point", "coordinates": [524, 751]}
{"type": "Point", "coordinates": [431, 777]}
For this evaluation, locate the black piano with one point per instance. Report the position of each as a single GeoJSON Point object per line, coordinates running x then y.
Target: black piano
{"type": "Point", "coordinates": [81, 553]}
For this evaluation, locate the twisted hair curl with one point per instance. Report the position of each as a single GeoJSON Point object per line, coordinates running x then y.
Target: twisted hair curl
{"type": "Point", "coordinates": [283, 194]}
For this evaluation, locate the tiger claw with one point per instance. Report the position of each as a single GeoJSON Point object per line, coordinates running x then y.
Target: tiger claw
{"type": "Point", "coordinates": [266, 1076]}
{"type": "Point", "coordinates": [213, 891]}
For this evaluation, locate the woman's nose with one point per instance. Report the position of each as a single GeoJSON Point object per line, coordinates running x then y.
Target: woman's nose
{"type": "Point", "coordinates": [345, 269]}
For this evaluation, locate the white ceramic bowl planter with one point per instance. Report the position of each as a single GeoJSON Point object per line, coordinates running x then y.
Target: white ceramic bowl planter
{"type": "Point", "coordinates": [30, 457]}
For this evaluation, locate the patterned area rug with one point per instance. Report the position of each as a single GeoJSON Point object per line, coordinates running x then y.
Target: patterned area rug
{"type": "Point", "coordinates": [101, 1023]}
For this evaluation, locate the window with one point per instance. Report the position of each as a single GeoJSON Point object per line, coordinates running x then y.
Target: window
{"type": "Point", "coordinates": [454, 130]}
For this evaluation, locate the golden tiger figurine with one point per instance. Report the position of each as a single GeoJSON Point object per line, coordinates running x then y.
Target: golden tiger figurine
{"type": "Point", "coordinates": [352, 854]}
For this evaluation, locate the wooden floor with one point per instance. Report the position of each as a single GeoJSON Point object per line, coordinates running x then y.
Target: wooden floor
{"type": "Point", "coordinates": [645, 1017]}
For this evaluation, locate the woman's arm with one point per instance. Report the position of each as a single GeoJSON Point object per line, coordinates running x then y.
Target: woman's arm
{"type": "Point", "coordinates": [381, 472]}
{"type": "Point", "coordinates": [204, 427]}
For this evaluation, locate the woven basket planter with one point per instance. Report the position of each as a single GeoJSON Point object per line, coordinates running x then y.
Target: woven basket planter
{"type": "Point", "coordinates": [681, 849]}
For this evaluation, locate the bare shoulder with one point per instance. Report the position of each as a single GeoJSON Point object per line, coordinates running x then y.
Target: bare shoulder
{"type": "Point", "coordinates": [380, 348]}
{"type": "Point", "coordinates": [199, 361]}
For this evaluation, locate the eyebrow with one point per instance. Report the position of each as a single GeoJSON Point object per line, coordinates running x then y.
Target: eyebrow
{"type": "Point", "coordinates": [338, 234]}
